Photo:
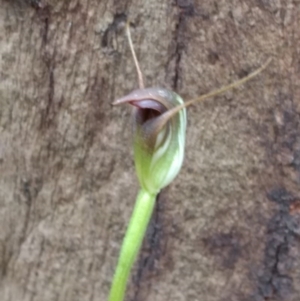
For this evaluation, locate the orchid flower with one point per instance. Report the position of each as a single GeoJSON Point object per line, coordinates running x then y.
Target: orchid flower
{"type": "Point", "coordinates": [158, 152]}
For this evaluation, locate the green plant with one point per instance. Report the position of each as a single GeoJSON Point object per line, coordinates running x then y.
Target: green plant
{"type": "Point", "coordinates": [159, 139]}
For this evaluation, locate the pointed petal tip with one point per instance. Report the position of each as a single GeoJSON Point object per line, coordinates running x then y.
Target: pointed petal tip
{"type": "Point", "coordinates": [121, 101]}
{"type": "Point", "coordinates": [115, 103]}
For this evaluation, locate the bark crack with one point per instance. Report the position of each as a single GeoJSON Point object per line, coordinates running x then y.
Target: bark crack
{"type": "Point", "coordinates": [275, 282]}
{"type": "Point", "coordinates": [186, 9]}
{"type": "Point", "coordinates": [152, 250]}
{"type": "Point", "coordinates": [178, 51]}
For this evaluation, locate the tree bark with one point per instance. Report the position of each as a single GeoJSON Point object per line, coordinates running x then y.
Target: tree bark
{"type": "Point", "coordinates": [227, 228]}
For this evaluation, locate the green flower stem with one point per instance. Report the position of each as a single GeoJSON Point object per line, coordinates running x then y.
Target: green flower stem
{"type": "Point", "coordinates": [132, 242]}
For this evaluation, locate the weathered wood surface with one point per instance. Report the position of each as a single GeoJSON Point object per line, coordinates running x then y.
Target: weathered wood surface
{"type": "Point", "coordinates": [228, 228]}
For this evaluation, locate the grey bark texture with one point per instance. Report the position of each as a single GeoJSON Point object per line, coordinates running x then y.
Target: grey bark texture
{"type": "Point", "coordinates": [228, 227]}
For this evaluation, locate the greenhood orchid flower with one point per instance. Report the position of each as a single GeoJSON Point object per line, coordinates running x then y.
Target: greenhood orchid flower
{"type": "Point", "coordinates": [158, 150]}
